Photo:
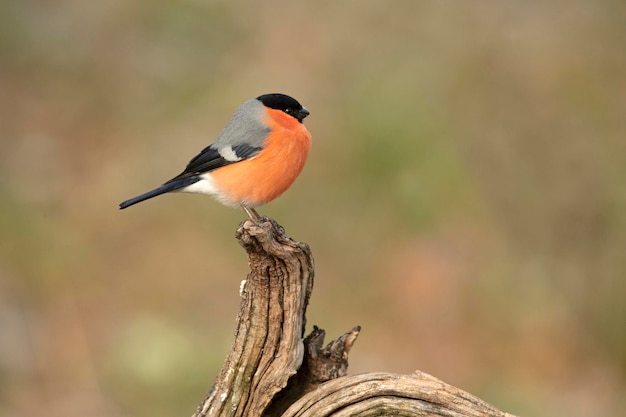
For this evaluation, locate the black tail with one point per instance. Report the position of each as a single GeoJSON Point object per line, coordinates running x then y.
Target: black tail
{"type": "Point", "coordinates": [173, 185]}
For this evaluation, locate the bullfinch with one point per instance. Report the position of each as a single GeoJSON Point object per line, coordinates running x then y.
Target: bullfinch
{"type": "Point", "coordinates": [255, 158]}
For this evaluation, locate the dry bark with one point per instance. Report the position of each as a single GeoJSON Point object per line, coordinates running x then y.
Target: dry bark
{"type": "Point", "coordinates": [272, 371]}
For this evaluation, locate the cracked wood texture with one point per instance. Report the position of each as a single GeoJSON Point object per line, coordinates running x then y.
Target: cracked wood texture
{"type": "Point", "coordinates": [272, 371]}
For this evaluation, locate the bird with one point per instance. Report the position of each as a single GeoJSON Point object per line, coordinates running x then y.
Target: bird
{"type": "Point", "coordinates": [255, 158]}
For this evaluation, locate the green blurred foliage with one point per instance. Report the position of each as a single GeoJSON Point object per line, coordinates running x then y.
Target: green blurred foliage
{"type": "Point", "coordinates": [464, 198]}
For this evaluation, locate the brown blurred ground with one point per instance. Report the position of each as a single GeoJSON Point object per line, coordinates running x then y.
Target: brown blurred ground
{"type": "Point", "coordinates": [465, 197]}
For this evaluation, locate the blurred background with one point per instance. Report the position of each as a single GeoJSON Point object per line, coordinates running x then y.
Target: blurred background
{"type": "Point", "coordinates": [465, 196]}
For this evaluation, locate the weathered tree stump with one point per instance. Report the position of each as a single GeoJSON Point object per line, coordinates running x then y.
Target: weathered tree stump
{"type": "Point", "coordinates": [272, 371]}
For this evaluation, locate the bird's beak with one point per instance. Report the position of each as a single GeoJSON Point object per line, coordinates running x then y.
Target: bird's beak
{"type": "Point", "coordinates": [304, 112]}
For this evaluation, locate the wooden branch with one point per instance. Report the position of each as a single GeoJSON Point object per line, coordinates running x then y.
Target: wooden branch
{"type": "Point", "coordinates": [386, 394]}
{"type": "Point", "coordinates": [271, 371]}
{"type": "Point", "coordinates": [268, 346]}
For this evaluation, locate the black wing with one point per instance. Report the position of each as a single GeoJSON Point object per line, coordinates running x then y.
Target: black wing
{"type": "Point", "coordinates": [212, 158]}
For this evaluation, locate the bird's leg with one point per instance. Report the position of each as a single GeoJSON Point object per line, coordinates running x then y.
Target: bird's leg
{"type": "Point", "coordinates": [256, 213]}
{"type": "Point", "coordinates": [252, 213]}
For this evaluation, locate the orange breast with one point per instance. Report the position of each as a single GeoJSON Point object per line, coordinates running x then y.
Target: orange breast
{"type": "Point", "coordinates": [257, 181]}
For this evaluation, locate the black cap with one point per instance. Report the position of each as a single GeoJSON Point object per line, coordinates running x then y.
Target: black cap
{"type": "Point", "coordinates": [284, 103]}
